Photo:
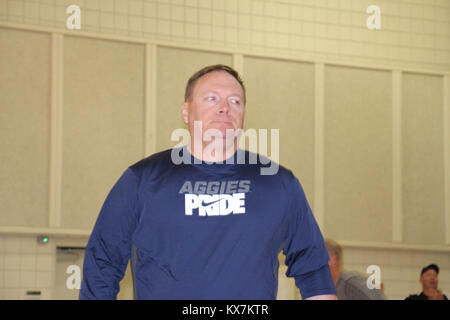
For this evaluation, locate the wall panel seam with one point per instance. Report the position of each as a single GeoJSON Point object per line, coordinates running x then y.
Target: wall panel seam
{"type": "Point", "coordinates": [397, 217]}
{"type": "Point", "coordinates": [319, 92]}
{"type": "Point", "coordinates": [150, 75]}
{"type": "Point", "coordinates": [56, 130]}
{"type": "Point", "coordinates": [447, 156]}
{"type": "Point", "coordinates": [238, 63]}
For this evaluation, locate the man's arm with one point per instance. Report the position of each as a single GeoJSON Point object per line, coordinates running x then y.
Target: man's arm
{"type": "Point", "coordinates": [109, 246]}
{"type": "Point", "coordinates": [317, 285]}
{"type": "Point", "coordinates": [323, 297]}
{"type": "Point", "coordinates": [306, 254]}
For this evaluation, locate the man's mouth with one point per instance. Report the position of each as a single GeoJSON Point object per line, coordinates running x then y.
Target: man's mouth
{"type": "Point", "coordinates": [222, 121]}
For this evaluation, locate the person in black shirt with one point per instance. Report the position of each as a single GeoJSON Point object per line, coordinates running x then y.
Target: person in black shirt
{"type": "Point", "coordinates": [429, 281]}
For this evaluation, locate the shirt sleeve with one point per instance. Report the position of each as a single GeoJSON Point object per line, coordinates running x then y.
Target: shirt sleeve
{"type": "Point", "coordinates": [109, 246]}
{"type": "Point", "coordinates": [306, 254]}
{"type": "Point", "coordinates": [316, 283]}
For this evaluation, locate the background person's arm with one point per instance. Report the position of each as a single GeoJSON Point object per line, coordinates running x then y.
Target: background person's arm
{"type": "Point", "coordinates": [323, 297]}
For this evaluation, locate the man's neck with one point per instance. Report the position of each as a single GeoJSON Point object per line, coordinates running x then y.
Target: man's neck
{"type": "Point", "coordinates": [207, 152]}
{"type": "Point", "coordinates": [429, 291]}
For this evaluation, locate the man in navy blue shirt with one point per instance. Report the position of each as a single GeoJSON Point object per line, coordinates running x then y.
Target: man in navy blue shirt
{"type": "Point", "coordinates": [211, 225]}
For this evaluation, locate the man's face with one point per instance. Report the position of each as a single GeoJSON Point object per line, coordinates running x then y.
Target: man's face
{"type": "Point", "coordinates": [429, 279]}
{"type": "Point", "coordinates": [217, 101]}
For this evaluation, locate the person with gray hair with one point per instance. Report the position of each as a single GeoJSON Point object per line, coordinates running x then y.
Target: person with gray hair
{"type": "Point", "coordinates": [349, 285]}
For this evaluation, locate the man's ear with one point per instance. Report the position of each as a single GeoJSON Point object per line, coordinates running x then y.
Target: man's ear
{"type": "Point", "coordinates": [185, 112]}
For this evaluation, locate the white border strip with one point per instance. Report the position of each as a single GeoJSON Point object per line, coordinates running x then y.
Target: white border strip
{"type": "Point", "coordinates": [397, 207]}
{"type": "Point", "coordinates": [69, 233]}
{"type": "Point", "coordinates": [319, 94]}
{"type": "Point", "coordinates": [45, 231]}
{"type": "Point", "coordinates": [393, 246]}
{"type": "Point", "coordinates": [447, 155]}
{"type": "Point", "coordinates": [150, 100]}
{"type": "Point", "coordinates": [56, 131]}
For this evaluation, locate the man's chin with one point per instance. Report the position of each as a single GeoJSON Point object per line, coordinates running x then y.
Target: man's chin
{"type": "Point", "coordinates": [223, 127]}
{"type": "Point", "coordinates": [225, 130]}
{"type": "Point", "coordinates": [225, 139]}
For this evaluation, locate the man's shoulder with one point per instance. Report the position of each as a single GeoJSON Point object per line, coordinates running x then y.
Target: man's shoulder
{"type": "Point", "coordinates": [354, 286]}
{"type": "Point", "coordinates": [261, 160]}
{"type": "Point", "coordinates": [420, 296]}
{"type": "Point", "coordinates": [283, 176]}
{"type": "Point", "coordinates": [351, 276]}
{"type": "Point", "coordinates": [162, 158]}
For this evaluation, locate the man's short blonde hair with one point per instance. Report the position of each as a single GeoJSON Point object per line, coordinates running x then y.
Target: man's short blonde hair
{"type": "Point", "coordinates": [217, 67]}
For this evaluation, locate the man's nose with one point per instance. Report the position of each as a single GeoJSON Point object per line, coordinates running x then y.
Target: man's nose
{"type": "Point", "coordinates": [223, 106]}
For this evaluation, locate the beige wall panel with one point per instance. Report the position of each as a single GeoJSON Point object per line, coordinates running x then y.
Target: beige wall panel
{"type": "Point", "coordinates": [175, 67]}
{"type": "Point", "coordinates": [358, 154]}
{"type": "Point", "coordinates": [423, 160]}
{"type": "Point", "coordinates": [103, 122]}
{"type": "Point", "coordinates": [24, 127]}
{"type": "Point", "coordinates": [280, 95]}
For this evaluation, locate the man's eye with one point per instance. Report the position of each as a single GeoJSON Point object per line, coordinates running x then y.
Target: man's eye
{"type": "Point", "coordinates": [211, 98]}
{"type": "Point", "coordinates": [235, 101]}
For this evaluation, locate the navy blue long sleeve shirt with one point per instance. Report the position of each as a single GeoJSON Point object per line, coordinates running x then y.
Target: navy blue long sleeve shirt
{"type": "Point", "coordinates": [204, 231]}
